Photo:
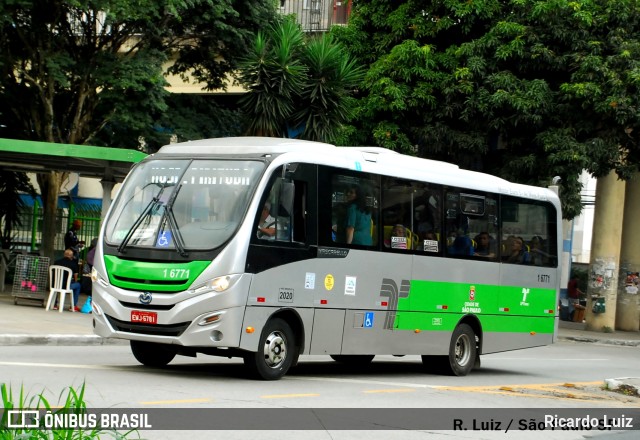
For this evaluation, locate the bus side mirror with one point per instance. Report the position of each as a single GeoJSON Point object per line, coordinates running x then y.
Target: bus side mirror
{"type": "Point", "coordinates": [285, 199]}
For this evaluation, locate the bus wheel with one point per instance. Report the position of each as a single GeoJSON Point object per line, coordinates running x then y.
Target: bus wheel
{"type": "Point", "coordinates": [152, 354]}
{"type": "Point", "coordinates": [462, 351]}
{"type": "Point", "coordinates": [276, 351]}
{"type": "Point", "coordinates": [353, 359]}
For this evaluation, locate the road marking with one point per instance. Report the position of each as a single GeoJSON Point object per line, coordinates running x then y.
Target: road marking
{"type": "Point", "coordinates": [362, 381]}
{"type": "Point", "coordinates": [397, 390]}
{"type": "Point", "coordinates": [79, 366]}
{"type": "Point", "coordinates": [171, 402]}
{"type": "Point", "coordinates": [285, 396]}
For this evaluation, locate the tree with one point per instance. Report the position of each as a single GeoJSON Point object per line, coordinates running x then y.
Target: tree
{"type": "Point", "coordinates": [72, 69]}
{"type": "Point", "coordinates": [297, 83]}
{"type": "Point", "coordinates": [523, 89]}
{"type": "Point", "coordinates": [11, 185]}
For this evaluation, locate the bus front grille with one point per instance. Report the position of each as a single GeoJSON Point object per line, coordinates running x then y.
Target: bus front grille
{"type": "Point", "coordinates": [146, 329]}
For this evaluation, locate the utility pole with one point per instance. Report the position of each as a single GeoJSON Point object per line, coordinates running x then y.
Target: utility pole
{"type": "Point", "coordinates": [627, 308]}
{"type": "Point", "coordinates": [605, 253]}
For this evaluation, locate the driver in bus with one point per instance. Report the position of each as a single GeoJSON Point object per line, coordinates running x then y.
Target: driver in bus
{"type": "Point", "coordinates": [267, 224]}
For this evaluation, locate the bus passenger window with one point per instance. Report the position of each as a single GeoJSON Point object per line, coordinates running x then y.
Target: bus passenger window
{"type": "Point", "coordinates": [353, 210]}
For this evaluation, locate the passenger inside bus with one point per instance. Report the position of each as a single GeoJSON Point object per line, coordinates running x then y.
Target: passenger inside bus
{"type": "Point", "coordinates": [517, 253]}
{"type": "Point", "coordinates": [539, 257]}
{"type": "Point", "coordinates": [397, 238]}
{"type": "Point", "coordinates": [358, 221]}
{"type": "Point", "coordinates": [267, 224]}
{"type": "Point", "coordinates": [484, 246]}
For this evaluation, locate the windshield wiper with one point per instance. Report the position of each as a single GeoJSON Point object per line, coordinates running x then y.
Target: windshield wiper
{"type": "Point", "coordinates": [173, 224]}
{"type": "Point", "coordinates": [151, 206]}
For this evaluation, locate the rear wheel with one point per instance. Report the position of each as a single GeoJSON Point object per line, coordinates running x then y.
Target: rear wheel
{"type": "Point", "coordinates": [462, 354]}
{"type": "Point", "coordinates": [276, 352]}
{"type": "Point", "coordinates": [353, 359]}
{"type": "Point", "coordinates": [152, 354]}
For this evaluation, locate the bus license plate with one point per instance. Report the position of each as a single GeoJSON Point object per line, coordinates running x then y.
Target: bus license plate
{"type": "Point", "coordinates": [144, 317]}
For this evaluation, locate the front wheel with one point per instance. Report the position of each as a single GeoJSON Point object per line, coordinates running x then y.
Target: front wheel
{"type": "Point", "coordinates": [276, 351]}
{"type": "Point", "coordinates": [152, 354]}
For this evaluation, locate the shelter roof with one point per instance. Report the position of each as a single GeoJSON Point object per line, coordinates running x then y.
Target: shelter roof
{"type": "Point", "coordinates": [110, 164]}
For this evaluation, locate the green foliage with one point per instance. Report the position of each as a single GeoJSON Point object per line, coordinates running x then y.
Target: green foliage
{"type": "Point", "coordinates": [72, 403]}
{"type": "Point", "coordinates": [79, 67]}
{"type": "Point", "coordinates": [293, 82]}
{"type": "Point", "coordinates": [93, 71]}
{"type": "Point", "coordinates": [523, 89]}
{"type": "Point", "coordinates": [11, 185]}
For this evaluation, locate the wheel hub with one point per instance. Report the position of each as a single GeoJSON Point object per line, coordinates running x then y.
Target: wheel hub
{"type": "Point", "coordinates": [275, 350]}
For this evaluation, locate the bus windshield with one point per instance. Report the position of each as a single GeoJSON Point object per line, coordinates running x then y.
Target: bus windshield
{"type": "Point", "coordinates": [182, 204]}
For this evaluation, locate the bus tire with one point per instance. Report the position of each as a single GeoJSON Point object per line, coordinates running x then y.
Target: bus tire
{"type": "Point", "coordinates": [353, 359]}
{"type": "Point", "coordinates": [152, 354]}
{"type": "Point", "coordinates": [462, 351]}
{"type": "Point", "coordinates": [276, 351]}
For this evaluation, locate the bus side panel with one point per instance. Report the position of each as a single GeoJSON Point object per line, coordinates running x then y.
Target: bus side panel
{"type": "Point", "coordinates": [327, 332]}
{"type": "Point", "coordinates": [495, 342]}
{"type": "Point", "coordinates": [367, 333]}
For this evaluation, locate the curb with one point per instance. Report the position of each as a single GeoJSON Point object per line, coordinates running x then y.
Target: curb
{"type": "Point", "coordinates": [67, 340]}
{"type": "Point", "coordinates": [621, 342]}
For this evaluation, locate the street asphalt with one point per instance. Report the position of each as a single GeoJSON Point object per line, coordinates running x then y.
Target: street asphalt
{"type": "Point", "coordinates": [28, 323]}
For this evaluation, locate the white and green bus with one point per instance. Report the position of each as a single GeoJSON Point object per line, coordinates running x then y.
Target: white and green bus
{"type": "Point", "coordinates": [184, 264]}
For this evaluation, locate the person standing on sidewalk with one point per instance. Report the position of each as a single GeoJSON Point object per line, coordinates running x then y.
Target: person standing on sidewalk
{"type": "Point", "coordinates": [574, 294]}
{"type": "Point", "coordinates": [71, 240]}
{"type": "Point", "coordinates": [69, 261]}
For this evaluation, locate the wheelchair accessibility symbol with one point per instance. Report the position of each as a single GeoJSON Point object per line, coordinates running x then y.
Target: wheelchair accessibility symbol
{"type": "Point", "coordinates": [164, 239]}
{"type": "Point", "coordinates": [368, 320]}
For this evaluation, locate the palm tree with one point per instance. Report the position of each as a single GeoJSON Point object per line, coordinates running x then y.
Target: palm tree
{"type": "Point", "coordinates": [297, 83]}
{"type": "Point", "coordinates": [274, 77]}
{"type": "Point", "coordinates": [331, 79]}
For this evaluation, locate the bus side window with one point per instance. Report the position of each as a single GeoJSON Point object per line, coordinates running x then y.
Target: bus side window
{"type": "Point", "coordinates": [530, 232]}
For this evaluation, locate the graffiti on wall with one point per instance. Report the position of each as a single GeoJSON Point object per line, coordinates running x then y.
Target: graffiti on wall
{"type": "Point", "coordinates": [602, 273]}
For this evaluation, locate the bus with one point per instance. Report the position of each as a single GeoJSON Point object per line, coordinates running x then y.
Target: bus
{"type": "Point", "coordinates": [187, 265]}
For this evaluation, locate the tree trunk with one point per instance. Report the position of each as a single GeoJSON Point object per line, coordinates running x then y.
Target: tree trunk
{"type": "Point", "coordinates": [49, 189]}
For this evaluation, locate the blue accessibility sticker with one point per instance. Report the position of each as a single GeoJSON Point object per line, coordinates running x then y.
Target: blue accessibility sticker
{"type": "Point", "coordinates": [368, 320]}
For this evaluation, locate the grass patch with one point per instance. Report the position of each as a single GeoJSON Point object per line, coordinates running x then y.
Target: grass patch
{"type": "Point", "coordinates": [70, 401]}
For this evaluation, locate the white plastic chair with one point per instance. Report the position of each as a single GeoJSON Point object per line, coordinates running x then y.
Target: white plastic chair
{"type": "Point", "coordinates": [60, 284]}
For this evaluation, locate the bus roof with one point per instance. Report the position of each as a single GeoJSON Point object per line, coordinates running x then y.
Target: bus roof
{"type": "Point", "coordinates": [243, 145]}
{"type": "Point", "coordinates": [361, 158]}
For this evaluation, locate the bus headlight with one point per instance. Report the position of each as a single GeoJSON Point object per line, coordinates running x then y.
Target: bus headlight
{"type": "Point", "coordinates": [218, 284]}
{"type": "Point", "coordinates": [95, 277]}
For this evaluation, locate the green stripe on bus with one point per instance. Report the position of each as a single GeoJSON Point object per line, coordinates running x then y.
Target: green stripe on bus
{"type": "Point", "coordinates": [490, 323]}
{"type": "Point", "coordinates": [498, 308]}
{"type": "Point", "coordinates": [159, 277]}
